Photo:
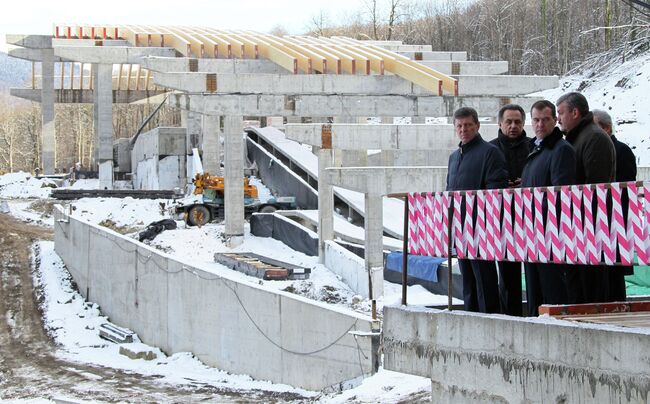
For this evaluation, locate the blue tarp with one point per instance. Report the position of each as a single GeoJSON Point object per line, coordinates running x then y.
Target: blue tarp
{"type": "Point", "coordinates": [421, 267]}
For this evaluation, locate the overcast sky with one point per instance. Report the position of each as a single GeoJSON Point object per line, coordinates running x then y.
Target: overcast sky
{"type": "Point", "coordinates": [39, 16]}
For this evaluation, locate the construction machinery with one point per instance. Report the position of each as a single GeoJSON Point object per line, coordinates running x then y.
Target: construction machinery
{"type": "Point", "coordinates": [207, 201]}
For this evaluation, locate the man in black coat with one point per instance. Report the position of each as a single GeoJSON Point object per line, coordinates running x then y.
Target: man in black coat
{"type": "Point", "coordinates": [552, 162]}
{"type": "Point", "coordinates": [595, 163]}
{"type": "Point", "coordinates": [476, 165]}
{"type": "Point", "coordinates": [515, 146]}
{"type": "Point", "coordinates": [625, 171]}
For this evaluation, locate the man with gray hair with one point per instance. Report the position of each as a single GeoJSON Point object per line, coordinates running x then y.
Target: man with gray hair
{"type": "Point", "coordinates": [625, 171]}
{"type": "Point", "coordinates": [595, 163]}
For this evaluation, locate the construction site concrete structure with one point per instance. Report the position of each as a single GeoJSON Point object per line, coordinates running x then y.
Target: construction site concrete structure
{"type": "Point", "coordinates": [158, 159]}
{"type": "Point", "coordinates": [478, 358]}
{"type": "Point", "coordinates": [236, 326]}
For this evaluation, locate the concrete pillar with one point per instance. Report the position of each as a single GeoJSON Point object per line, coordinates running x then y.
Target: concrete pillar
{"type": "Point", "coordinates": [48, 131]}
{"type": "Point", "coordinates": [325, 203]}
{"type": "Point", "coordinates": [234, 179]}
{"type": "Point", "coordinates": [95, 145]}
{"type": "Point", "coordinates": [211, 144]}
{"type": "Point", "coordinates": [104, 123]}
{"type": "Point", "coordinates": [374, 244]}
{"type": "Point", "coordinates": [192, 122]}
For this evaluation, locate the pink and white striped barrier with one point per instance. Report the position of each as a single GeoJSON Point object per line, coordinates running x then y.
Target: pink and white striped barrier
{"type": "Point", "coordinates": [578, 226]}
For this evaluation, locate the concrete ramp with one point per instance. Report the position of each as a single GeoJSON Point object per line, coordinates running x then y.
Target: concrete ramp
{"type": "Point", "coordinates": [300, 159]}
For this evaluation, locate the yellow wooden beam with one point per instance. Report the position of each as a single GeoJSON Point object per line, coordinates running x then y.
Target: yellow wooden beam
{"type": "Point", "coordinates": [224, 48]}
{"type": "Point", "coordinates": [274, 54]}
{"type": "Point", "coordinates": [376, 62]}
{"type": "Point", "coordinates": [304, 63]}
{"type": "Point", "coordinates": [318, 61]}
{"type": "Point", "coordinates": [212, 46]}
{"type": "Point", "coordinates": [236, 46]}
{"type": "Point", "coordinates": [449, 84]}
{"type": "Point", "coordinates": [196, 44]}
{"type": "Point", "coordinates": [137, 77]}
{"type": "Point", "coordinates": [173, 40]}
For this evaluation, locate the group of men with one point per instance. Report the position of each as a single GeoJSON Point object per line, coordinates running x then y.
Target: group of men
{"type": "Point", "coordinates": [582, 150]}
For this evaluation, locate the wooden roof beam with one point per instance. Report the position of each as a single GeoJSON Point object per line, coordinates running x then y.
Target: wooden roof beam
{"type": "Point", "coordinates": [304, 62]}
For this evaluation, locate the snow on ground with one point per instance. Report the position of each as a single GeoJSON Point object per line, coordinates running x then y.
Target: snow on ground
{"type": "Point", "coordinates": [74, 325]}
{"type": "Point", "coordinates": [24, 185]}
{"type": "Point", "coordinates": [622, 91]}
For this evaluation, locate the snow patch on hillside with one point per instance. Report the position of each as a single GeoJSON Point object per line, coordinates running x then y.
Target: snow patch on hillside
{"type": "Point", "coordinates": [623, 92]}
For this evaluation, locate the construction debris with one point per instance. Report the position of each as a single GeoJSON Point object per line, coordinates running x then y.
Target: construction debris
{"type": "Point", "coordinates": [115, 334]}
{"type": "Point", "coordinates": [262, 267]}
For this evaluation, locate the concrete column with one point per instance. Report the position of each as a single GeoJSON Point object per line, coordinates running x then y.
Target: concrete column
{"type": "Point", "coordinates": [48, 131]}
{"type": "Point", "coordinates": [374, 244]}
{"type": "Point", "coordinates": [104, 123]}
{"type": "Point", "coordinates": [325, 203]}
{"type": "Point", "coordinates": [211, 144]}
{"type": "Point", "coordinates": [234, 179]}
{"type": "Point", "coordinates": [192, 122]}
{"type": "Point", "coordinates": [94, 163]}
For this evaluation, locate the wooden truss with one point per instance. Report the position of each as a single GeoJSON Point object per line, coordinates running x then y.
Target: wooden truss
{"type": "Point", "coordinates": [297, 54]}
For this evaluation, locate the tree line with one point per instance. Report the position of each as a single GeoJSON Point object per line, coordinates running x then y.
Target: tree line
{"type": "Point", "coordinates": [534, 36]}
{"type": "Point", "coordinates": [20, 132]}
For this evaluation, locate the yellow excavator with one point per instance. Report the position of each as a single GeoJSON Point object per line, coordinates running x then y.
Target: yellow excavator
{"type": "Point", "coordinates": [207, 202]}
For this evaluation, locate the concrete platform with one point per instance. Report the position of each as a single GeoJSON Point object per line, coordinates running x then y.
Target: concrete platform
{"type": "Point", "coordinates": [477, 358]}
{"type": "Point", "coordinates": [435, 55]}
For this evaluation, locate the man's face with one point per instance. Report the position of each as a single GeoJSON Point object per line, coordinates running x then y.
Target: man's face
{"type": "Point", "coordinates": [512, 123]}
{"type": "Point", "coordinates": [543, 122]}
{"type": "Point", "coordinates": [568, 117]}
{"type": "Point", "coordinates": [466, 128]}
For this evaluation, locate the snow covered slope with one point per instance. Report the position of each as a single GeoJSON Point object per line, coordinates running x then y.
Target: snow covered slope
{"type": "Point", "coordinates": [624, 92]}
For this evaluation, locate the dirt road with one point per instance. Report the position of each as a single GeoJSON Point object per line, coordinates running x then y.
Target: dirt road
{"type": "Point", "coordinates": [29, 367]}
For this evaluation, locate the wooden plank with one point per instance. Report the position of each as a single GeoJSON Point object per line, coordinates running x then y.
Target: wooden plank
{"type": "Point", "coordinates": [195, 43]}
{"type": "Point", "coordinates": [212, 46]}
{"type": "Point", "coordinates": [119, 77]}
{"type": "Point", "coordinates": [318, 61]}
{"type": "Point", "coordinates": [592, 308]}
{"type": "Point", "coordinates": [81, 77]}
{"type": "Point", "coordinates": [224, 48]}
{"type": "Point", "coordinates": [449, 84]}
{"type": "Point", "coordinates": [400, 68]}
{"type": "Point", "coordinates": [302, 61]}
{"type": "Point", "coordinates": [137, 77]}
{"type": "Point", "coordinates": [237, 47]}
{"type": "Point", "coordinates": [376, 63]}
{"type": "Point", "coordinates": [128, 77]}
{"type": "Point", "coordinates": [173, 40]}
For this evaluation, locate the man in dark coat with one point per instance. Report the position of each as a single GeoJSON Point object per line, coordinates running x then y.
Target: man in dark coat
{"type": "Point", "coordinates": [595, 163]}
{"type": "Point", "coordinates": [552, 162]}
{"type": "Point", "coordinates": [515, 146]}
{"type": "Point", "coordinates": [625, 171]}
{"type": "Point", "coordinates": [476, 165]}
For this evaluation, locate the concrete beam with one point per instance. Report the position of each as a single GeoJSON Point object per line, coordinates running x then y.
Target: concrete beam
{"type": "Point", "coordinates": [247, 83]}
{"type": "Point", "coordinates": [110, 54]}
{"type": "Point", "coordinates": [340, 105]}
{"type": "Point", "coordinates": [436, 55]}
{"type": "Point", "coordinates": [30, 41]}
{"type": "Point", "coordinates": [77, 96]}
{"type": "Point", "coordinates": [31, 54]}
{"type": "Point", "coordinates": [467, 67]}
{"type": "Point", "coordinates": [389, 180]}
{"type": "Point", "coordinates": [219, 66]}
{"type": "Point", "coordinates": [75, 42]}
{"type": "Point", "coordinates": [384, 136]}
{"type": "Point", "coordinates": [505, 85]}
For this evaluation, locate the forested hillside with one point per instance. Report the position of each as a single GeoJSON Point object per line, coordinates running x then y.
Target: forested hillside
{"type": "Point", "coordinates": [534, 36]}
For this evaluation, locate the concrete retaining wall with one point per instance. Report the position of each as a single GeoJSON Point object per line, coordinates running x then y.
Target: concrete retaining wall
{"type": "Point", "coordinates": [350, 267]}
{"type": "Point", "coordinates": [234, 326]}
{"type": "Point", "coordinates": [490, 358]}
